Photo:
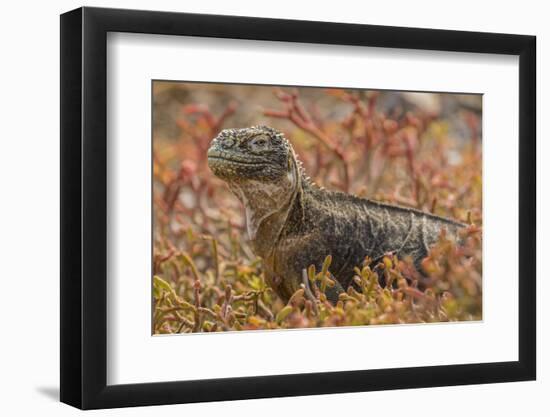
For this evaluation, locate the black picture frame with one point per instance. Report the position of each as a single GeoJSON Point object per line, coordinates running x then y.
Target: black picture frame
{"type": "Point", "coordinates": [84, 207]}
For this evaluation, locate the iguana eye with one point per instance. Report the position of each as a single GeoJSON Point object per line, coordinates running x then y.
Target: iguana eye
{"type": "Point", "coordinates": [258, 143]}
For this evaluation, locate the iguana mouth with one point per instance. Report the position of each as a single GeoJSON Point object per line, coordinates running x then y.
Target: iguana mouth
{"type": "Point", "coordinates": [233, 161]}
{"type": "Point", "coordinates": [225, 157]}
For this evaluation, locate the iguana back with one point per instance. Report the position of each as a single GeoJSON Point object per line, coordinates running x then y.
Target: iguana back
{"type": "Point", "coordinates": [349, 228]}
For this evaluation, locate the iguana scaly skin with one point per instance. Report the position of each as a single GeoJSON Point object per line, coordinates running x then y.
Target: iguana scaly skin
{"type": "Point", "coordinates": [292, 223]}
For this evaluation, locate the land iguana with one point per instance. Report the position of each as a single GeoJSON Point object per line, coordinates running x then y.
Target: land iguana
{"type": "Point", "coordinates": [292, 223]}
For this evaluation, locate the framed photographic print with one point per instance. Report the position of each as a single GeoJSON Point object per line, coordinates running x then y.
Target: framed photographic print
{"type": "Point", "coordinates": [255, 208]}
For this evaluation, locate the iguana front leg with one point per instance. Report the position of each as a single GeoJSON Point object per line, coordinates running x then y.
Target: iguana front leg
{"type": "Point", "coordinates": [333, 293]}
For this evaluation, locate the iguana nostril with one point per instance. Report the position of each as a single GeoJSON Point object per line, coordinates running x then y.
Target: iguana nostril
{"type": "Point", "coordinates": [228, 143]}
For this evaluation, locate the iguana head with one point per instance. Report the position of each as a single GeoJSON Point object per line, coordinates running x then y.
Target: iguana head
{"type": "Point", "coordinates": [257, 153]}
{"type": "Point", "coordinates": [261, 169]}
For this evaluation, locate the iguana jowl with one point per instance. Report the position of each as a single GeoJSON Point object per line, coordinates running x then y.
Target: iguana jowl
{"type": "Point", "coordinates": [292, 223]}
